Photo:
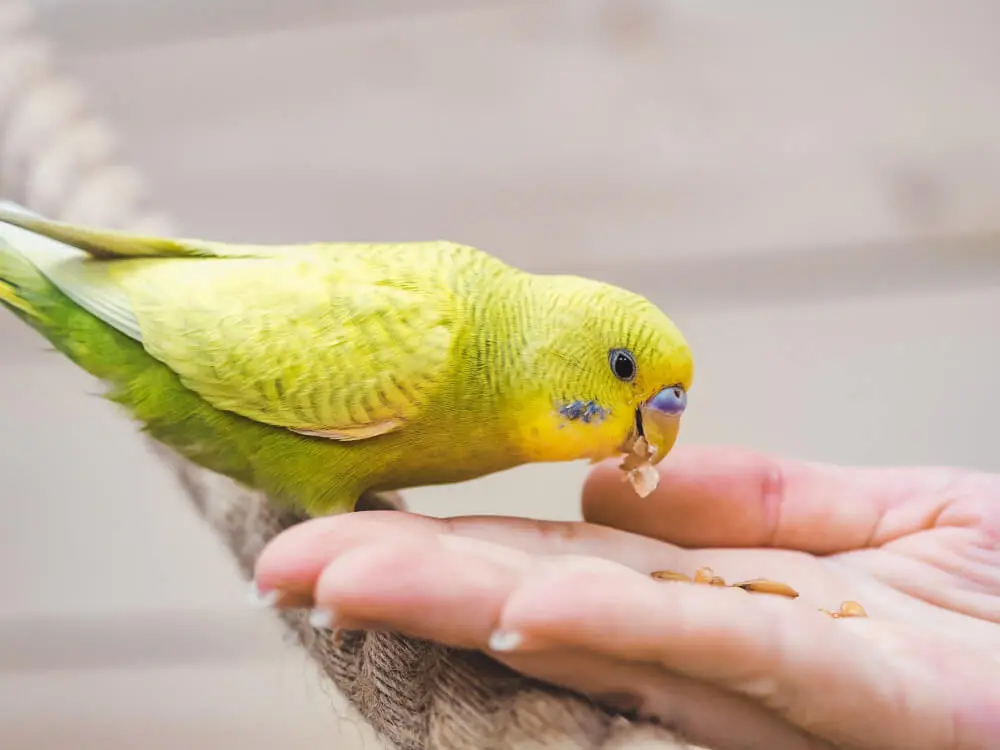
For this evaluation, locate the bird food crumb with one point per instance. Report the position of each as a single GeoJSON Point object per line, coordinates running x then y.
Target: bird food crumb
{"type": "Point", "coordinates": [637, 468]}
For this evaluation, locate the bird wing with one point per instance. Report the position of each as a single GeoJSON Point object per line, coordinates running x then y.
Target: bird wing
{"type": "Point", "coordinates": [342, 345]}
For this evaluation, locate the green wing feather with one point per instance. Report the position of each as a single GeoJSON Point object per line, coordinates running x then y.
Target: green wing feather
{"type": "Point", "coordinates": [335, 344]}
{"type": "Point", "coordinates": [295, 344]}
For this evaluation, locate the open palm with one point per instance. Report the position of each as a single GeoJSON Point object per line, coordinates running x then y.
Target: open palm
{"type": "Point", "coordinates": [573, 603]}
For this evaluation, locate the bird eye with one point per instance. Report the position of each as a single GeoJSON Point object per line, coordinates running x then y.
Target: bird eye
{"type": "Point", "coordinates": [622, 364]}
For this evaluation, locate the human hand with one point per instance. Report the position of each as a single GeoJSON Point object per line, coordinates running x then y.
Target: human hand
{"type": "Point", "coordinates": [573, 603]}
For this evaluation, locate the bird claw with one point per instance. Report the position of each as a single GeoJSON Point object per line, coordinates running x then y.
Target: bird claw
{"type": "Point", "coordinates": [756, 586]}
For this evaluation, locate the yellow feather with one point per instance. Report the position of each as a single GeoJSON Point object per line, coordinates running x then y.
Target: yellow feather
{"type": "Point", "coordinates": [413, 363]}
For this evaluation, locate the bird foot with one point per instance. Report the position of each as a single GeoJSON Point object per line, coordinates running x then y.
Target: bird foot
{"type": "Point", "coordinates": [756, 586]}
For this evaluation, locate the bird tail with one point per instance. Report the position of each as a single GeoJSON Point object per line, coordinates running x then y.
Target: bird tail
{"type": "Point", "coordinates": [22, 285]}
{"type": "Point", "coordinates": [11, 294]}
{"type": "Point", "coordinates": [26, 258]}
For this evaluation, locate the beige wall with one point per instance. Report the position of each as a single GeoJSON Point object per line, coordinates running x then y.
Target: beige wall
{"type": "Point", "coordinates": [812, 192]}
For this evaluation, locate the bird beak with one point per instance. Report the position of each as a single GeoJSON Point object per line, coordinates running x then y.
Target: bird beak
{"type": "Point", "coordinates": [659, 420]}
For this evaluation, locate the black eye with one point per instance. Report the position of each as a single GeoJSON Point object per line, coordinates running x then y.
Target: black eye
{"type": "Point", "coordinates": [622, 364]}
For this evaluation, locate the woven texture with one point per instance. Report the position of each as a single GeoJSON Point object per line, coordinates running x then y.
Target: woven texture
{"type": "Point", "coordinates": [59, 158]}
{"type": "Point", "coordinates": [418, 694]}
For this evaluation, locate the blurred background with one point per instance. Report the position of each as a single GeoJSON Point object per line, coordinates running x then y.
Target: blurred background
{"type": "Point", "coordinates": [812, 192]}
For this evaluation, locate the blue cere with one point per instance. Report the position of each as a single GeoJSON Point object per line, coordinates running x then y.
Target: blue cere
{"type": "Point", "coordinates": [671, 401]}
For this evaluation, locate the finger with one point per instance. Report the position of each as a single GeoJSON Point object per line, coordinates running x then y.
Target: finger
{"type": "Point", "coordinates": [428, 583]}
{"type": "Point", "coordinates": [814, 671]}
{"type": "Point", "coordinates": [458, 590]}
{"type": "Point", "coordinates": [730, 497]}
{"type": "Point", "coordinates": [690, 708]}
{"type": "Point", "coordinates": [816, 583]}
{"type": "Point", "coordinates": [420, 587]}
{"type": "Point", "coordinates": [293, 560]}
{"type": "Point", "coordinates": [452, 591]}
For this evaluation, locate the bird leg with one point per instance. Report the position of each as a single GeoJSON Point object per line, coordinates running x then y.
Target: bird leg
{"type": "Point", "coordinates": [756, 585]}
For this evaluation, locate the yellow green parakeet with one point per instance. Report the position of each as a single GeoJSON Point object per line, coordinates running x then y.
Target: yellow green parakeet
{"type": "Point", "coordinates": [315, 372]}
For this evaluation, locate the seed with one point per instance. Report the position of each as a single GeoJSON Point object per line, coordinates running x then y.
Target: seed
{"type": "Point", "coordinates": [763, 586]}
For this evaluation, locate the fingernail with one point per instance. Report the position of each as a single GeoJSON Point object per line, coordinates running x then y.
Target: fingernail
{"type": "Point", "coordinates": [321, 619]}
{"type": "Point", "coordinates": [263, 599]}
{"type": "Point", "coordinates": [503, 640]}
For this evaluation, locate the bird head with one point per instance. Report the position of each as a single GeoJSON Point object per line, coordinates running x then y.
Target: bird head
{"type": "Point", "coordinates": [609, 367]}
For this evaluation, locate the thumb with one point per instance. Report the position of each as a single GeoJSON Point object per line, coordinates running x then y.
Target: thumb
{"type": "Point", "coordinates": [731, 497]}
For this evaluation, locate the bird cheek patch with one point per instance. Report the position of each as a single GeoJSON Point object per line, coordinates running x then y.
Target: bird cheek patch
{"type": "Point", "coordinates": [583, 411]}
